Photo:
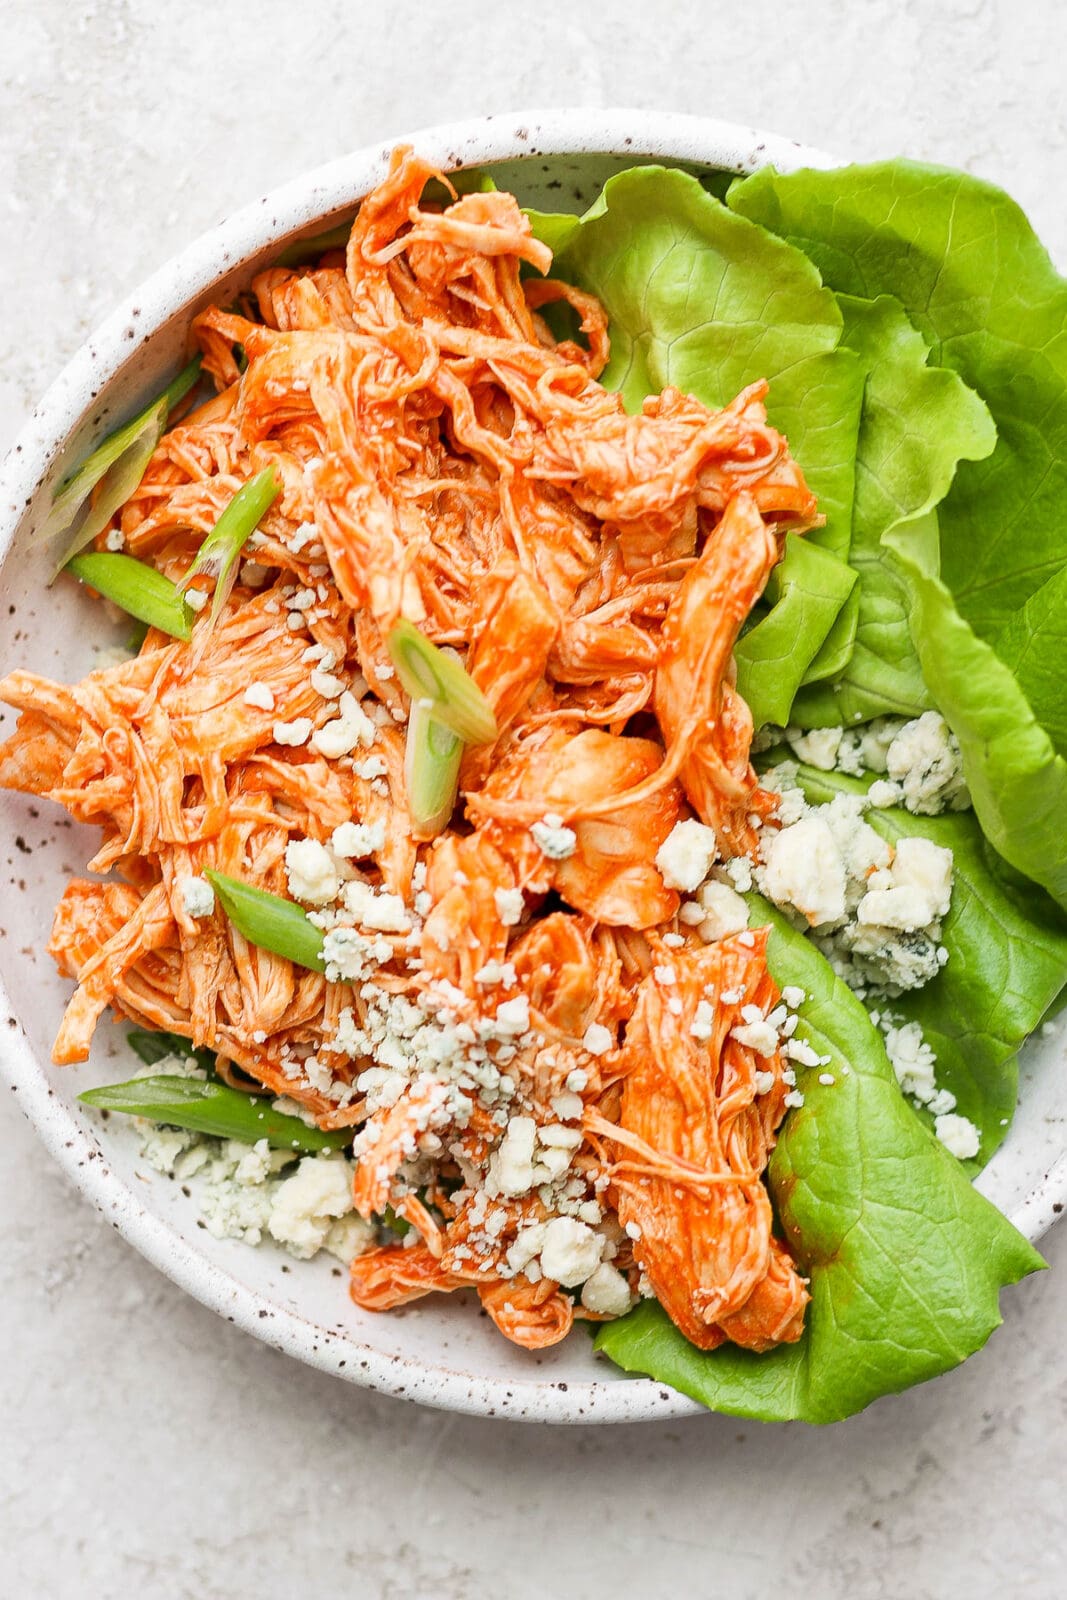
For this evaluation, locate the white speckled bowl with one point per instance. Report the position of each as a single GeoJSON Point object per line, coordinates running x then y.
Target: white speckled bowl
{"type": "Point", "coordinates": [439, 1351]}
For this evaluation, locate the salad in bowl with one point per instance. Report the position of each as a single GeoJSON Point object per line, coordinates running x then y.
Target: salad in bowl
{"type": "Point", "coordinates": [580, 813]}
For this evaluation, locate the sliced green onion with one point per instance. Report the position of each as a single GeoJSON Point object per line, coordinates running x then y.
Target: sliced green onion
{"type": "Point", "coordinates": [431, 771]}
{"type": "Point", "coordinates": [269, 921]}
{"type": "Point", "coordinates": [307, 249]}
{"type": "Point", "coordinates": [107, 460]}
{"type": "Point", "coordinates": [152, 1047]}
{"type": "Point", "coordinates": [214, 1108]}
{"type": "Point", "coordinates": [217, 556]}
{"type": "Point", "coordinates": [139, 589]}
{"type": "Point", "coordinates": [427, 673]}
{"type": "Point", "coordinates": [117, 485]}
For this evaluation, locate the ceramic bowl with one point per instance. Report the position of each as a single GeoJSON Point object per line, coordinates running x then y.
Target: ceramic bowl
{"type": "Point", "coordinates": [440, 1350]}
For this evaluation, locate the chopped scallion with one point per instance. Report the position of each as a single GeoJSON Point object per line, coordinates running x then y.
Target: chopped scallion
{"type": "Point", "coordinates": [428, 674]}
{"type": "Point", "coordinates": [116, 460]}
{"type": "Point", "coordinates": [217, 556]}
{"type": "Point", "coordinates": [116, 486]}
{"type": "Point", "coordinates": [269, 921]}
{"type": "Point", "coordinates": [206, 1106]}
{"type": "Point", "coordinates": [431, 771]}
{"type": "Point", "coordinates": [139, 589]}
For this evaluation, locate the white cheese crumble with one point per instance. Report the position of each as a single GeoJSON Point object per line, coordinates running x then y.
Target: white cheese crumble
{"type": "Point", "coordinates": [358, 840]}
{"type": "Point", "coordinates": [876, 911]}
{"type": "Point", "coordinates": [327, 684]}
{"type": "Point", "coordinates": [553, 839]}
{"type": "Point", "coordinates": [260, 696]}
{"type": "Point", "coordinates": [496, 972]}
{"type": "Point", "coordinates": [685, 857]}
{"type": "Point", "coordinates": [306, 1205]}
{"type": "Point", "coordinates": [511, 1166]}
{"type": "Point", "coordinates": [349, 955]}
{"type": "Point", "coordinates": [802, 867]}
{"type": "Point", "coordinates": [294, 733]}
{"type": "Point", "coordinates": [198, 897]}
{"type": "Point", "coordinates": [513, 1016]}
{"type": "Point", "coordinates": [921, 759]}
{"type": "Point", "coordinates": [958, 1135]}
{"type": "Point", "coordinates": [371, 768]}
{"type": "Point", "coordinates": [703, 1023]}
{"type": "Point", "coordinates": [241, 1193]}
{"type": "Point", "coordinates": [818, 748]}
{"type": "Point", "coordinates": [116, 540]}
{"type": "Point", "coordinates": [509, 906]}
{"type": "Point", "coordinates": [571, 1251]}
{"type": "Point", "coordinates": [597, 1039]}
{"type": "Point", "coordinates": [913, 1061]}
{"type": "Point", "coordinates": [345, 732]}
{"type": "Point", "coordinates": [724, 912]}
{"type": "Point", "coordinates": [376, 909]}
{"type": "Point", "coordinates": [606, 1292]}
{"type": "Point", "coordinates": [196, 599]}
{"type": "Point", "coordinates": [758, 1036]}
{"type": "Point", "coordinates": [311, 872]}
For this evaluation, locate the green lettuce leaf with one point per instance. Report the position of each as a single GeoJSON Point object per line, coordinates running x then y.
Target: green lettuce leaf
{"type": "Point", "coordinates": [1007, 945]}
{"type": "Point", "coordinates": [554, 228]}
{"type": "Point", "coordinates": [1017, 780]}
{"type": "Point", "coordinates": [917, 423]}
{"type": "Point", "coordinates": [1033, 647]}
{"type": "Point", "coordinates": [978, 284]}
{"type": "Point", "coordinates": [905, 1259]}
{"type": "Point", "coordinates": [807, 591]}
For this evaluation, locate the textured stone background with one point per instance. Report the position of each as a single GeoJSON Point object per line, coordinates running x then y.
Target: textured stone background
{"type": "Point", "coordinates": [149, 1448]}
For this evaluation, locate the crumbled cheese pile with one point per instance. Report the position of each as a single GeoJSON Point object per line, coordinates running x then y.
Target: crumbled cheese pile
{"type": "Point", "coordinates": [254, 1193]}
{"type": "Point", "coordinates": [920, 759]}
{"type": "Point", "coordinates": [913, 1061]}
{"type": "Point", "coordinates": [875, 910]}
{"type": "Point", "coordinates": [447, 1053]}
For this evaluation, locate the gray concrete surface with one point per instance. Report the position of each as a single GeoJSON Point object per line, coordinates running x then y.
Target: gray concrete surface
{"type": "Point", "coordinates": [150, 1449]}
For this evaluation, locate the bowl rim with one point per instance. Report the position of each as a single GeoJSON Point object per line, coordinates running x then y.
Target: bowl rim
{"type": "Point", "coordinates": [288, 210]}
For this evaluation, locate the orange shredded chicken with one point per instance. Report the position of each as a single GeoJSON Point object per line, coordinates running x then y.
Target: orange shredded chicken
{"type": "Point", "coordinates": [445, 459]}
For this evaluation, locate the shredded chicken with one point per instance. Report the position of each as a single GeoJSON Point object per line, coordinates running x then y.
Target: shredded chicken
{"type": "Point", "coordinates": [444, 458]}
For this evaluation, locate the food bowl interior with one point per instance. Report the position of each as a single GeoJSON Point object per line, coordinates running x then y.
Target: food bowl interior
{"type": "Point", "coordinates": [442, 1349]}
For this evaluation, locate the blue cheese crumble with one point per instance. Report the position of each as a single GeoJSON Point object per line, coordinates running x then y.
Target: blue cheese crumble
{"type": "Point", "coordinates": [874, 910]}
{"type": "Point", "coordinates": [920, 760]}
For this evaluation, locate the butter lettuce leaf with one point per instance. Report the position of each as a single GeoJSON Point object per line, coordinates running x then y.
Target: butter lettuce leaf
{"type": "Point", "coordinates": [918, 422]}
{"type": "Point", "coordinates": [807, 591]}
{"type": "Point", "coordinates": [905, 1259]}
{"type": "Point", "coordinates": [1007, 962]}
{"type": "Point", "coordinates": [1033, 646]}
{"type": "Point", "coordinates": [554, 228]}
{"type": "Point", "coordinates": [978, 284]}
{"type": "Point", "coordinates": [1018, 781]}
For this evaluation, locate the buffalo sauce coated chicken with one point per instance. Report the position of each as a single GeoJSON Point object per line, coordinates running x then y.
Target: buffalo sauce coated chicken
{"type": "Point", "coordinates": [536, 1054]}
